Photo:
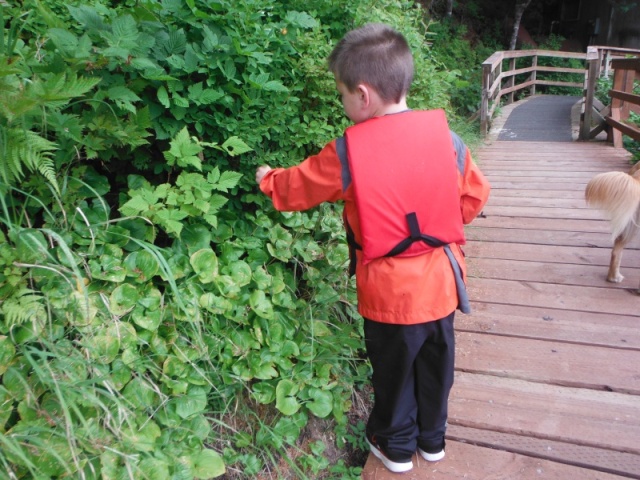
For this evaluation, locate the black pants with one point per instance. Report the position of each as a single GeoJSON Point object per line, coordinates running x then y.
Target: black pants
{"type": "Point", "coordinates": [412, 377]}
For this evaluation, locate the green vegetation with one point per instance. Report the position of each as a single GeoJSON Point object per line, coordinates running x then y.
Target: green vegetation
{"type": "Point", "coordinates": [158, 318]}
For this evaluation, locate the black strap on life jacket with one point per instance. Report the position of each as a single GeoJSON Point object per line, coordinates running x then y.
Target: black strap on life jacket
{"type": "Point", "coordinates": [415, 236]}
{"type": "Point", "coordinates": [353, 246]}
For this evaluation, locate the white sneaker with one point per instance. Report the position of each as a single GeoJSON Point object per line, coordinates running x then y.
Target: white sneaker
{"type": "Point", "coordinates": [431, 457]}
{"type": "Point", "coordinates": [395, 467]}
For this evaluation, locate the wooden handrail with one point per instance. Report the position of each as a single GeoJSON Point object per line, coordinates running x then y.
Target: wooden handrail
{"type": "Point", "coordinates": [623, 100]}
{"type": "Point", "coordinates": [498, 82]}
{"type": "Point", "coordinates": [493, 77]}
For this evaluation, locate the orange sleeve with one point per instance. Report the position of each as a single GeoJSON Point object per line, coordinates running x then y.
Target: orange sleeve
{"type": "Point", "coordinates": [317, 179]}
{"type": "Point", "coordinates": [474, 190]}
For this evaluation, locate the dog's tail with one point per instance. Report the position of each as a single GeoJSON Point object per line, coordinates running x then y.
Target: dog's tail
{"type": "Point", "coordinates": [618, 195]}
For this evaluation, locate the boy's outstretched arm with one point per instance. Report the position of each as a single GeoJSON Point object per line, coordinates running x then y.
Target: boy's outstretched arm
{"type": "Point", "coordinates": [317, 179]}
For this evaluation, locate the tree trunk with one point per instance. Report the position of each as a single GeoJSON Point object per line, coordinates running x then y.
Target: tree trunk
{"type": "Point", "coordinates": [449, 8]}
{"type": "Point", "coordinates": [520, 8]}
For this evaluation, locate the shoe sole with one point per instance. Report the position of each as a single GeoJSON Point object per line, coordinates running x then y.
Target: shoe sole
{"type": "Point", "coordinates": [392, 466]}
{"type": "Point", "coordinates": [431, 457]}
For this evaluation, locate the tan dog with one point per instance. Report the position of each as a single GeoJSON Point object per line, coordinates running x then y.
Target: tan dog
{"type": "Point", "coordinates": [618, 195]}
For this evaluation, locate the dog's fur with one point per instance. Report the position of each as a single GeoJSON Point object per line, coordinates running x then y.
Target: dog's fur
{"type": "Point", "coordinates": [618, 195]}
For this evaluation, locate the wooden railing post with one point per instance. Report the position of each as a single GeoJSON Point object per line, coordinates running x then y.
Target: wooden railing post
{"type": "Point", "coordinates": [484, 106]}
{"type": "Point", "coordinates": [512, 78]}
{"type": "Point", "coordinates": [590, 82]}
{"type": "Point", "coordinates": [532, 79]}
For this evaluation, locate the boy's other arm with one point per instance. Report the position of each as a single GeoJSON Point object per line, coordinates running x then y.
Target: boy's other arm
{"type": "Point", "coordinates": [318, 179]}
{"type": "Point", "coordinates": [474, 190]}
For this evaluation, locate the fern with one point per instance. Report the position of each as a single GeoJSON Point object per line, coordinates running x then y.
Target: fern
{"type": "Point", "coordinates": [25, 306]}
{"type": "Point", "coordinates": [20, 148]}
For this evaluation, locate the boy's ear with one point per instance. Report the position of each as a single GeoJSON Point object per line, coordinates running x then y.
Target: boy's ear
{"type": "Point", "coordinates": [364, 94]}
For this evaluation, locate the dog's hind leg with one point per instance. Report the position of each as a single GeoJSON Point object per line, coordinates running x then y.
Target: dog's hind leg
{"type": "Point", "coordinates": [621, 241]}
{"type": "Point", "coordinates": [614, 274]}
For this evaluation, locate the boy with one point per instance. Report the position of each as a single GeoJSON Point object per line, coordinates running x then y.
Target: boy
{"type": "Point", "coordinates": [408, 185]}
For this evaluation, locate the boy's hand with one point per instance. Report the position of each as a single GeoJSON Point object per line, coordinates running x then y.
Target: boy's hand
{"type": "Point", "coordinates": [261, 172]}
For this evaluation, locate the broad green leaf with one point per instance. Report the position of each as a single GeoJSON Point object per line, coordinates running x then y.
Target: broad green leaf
{"type": "Point", "coordinates": [125, 332]}
{"type": "Point", "coordinates": [174, 367]}
{"type": "Point", "coordinates": [141, 265]}
{"type": "Point", "coordinates": [205, 264]}
{"type": "Point", "coordinates": [50, 452]}
{"type": "Point", "coordinates": [321, 403]}
{"type": "Point", "coordinates": [66, 41]}
{"type": "Point", "coordinates": [142, 439]}
{"type": "Point", "coordinates": [240, 272]}
{"type": "Point", "coordinates": [148, 319]}
{"type": "Point", "coordinates": [286, 400]}
{"type": "Point", "coordinates": [289, 428]}
{"type": "Point", "coordinates": [163, 97]}
{"type": "Point", "coordinates": [140, 393]}
{"type": "Point", "coordinates": [275, 86]}
{"type": "Point", "coordinates": [263, 392]}
{"type": "Point", "coordinates": [123, 299]}
{"type": "Point", "coordinates": [194, 402]}
{"type": "Point", "coordinates": [171, 220]}
{"type": "Point", "coordinates": [234, 146]}
{"type": "Point", "coordinates": [108, 268]}
{"type": "Point", "coordinates": [208, 464]}
{"type": "Point", "coordinates": [320, 329]}
{"type": "Point", "coordinates": [154, 468]}
{"type": "Point", "coordinates": [103, 349]}
{"type": "Point", "coordinates": [120, 374]}
{"type": "Point", "coordinates": [260, 304]}
{"type": "Point", "coordinates": [300, 19]}
{"type": "Point", "coordinates": [261, 278]}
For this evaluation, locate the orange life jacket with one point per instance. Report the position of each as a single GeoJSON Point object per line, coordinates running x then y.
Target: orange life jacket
{"type": "Point", "coordinates": [404, 173]}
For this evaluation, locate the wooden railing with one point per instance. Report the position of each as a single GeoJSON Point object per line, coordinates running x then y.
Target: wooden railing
{"type": "Point", "coordinates": [623, 102]}
{"type": "Point", "coordinates": [499, 76]}
{"type": "Point", "coordinates": [499, 79]}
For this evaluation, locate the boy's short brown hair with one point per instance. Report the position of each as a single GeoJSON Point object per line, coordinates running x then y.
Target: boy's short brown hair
{"type": "Point", "coordinates": [377, 55]}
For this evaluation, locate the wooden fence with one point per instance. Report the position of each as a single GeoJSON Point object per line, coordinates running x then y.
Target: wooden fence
{"type": "Point", "coordinates": [501, 80]}
{"type": "Point", "coordinates": [623, 102]}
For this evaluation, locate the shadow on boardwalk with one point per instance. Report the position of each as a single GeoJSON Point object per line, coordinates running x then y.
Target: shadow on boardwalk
{"type": "Point", "coordinates": [548, 364]}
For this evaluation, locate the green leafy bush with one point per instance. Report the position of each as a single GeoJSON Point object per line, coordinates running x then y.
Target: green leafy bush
{"type": "Point", "coordinates": [158, 318]}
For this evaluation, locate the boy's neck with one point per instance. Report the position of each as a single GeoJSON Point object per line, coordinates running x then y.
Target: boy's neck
{"type": "Point", "coordinates": [390, 108]}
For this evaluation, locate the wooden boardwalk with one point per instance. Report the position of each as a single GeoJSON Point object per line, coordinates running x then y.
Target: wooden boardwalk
{"type": "Point", "coordinates": [548, 364]}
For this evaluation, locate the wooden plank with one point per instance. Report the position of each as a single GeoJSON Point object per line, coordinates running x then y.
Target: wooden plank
{"type": "Point", "coordinates": [551, 201]}
{"type": "Point", "coordinates": [621, 463]}
{"type": "Point", "coordinates": [553, 363]}
{"type": "Point", "coordinates": [585, 417]}
{"type": "Point", "coordinates": [565, 297]}
{"type": "Point", "coordinates": [543, 237]}
{"type": "Point", "coordinates": [545, 323]}
{"type": "Point", "coordinates": [528, 177]}
{"type": "Point", "coordinates": [548, 253]}
{"type": "Point", "coordinates": [558, 273]}
{"type": "Point", "coordinates": [562, 194]}
{"type": "Point", "coordinates": [537, 185]}
{"type": "Point", "coordinates": [465, 461]}
{"type": "Point", "coordinates": [552, 168]}
{"type": "Point", "coordinates": [543, 212]}
{"type": "Point", "coordinates": [489, 220]}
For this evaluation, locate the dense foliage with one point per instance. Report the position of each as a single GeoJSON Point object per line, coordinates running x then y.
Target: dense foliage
{"type": "Point", "coordinates": [158, 318]}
